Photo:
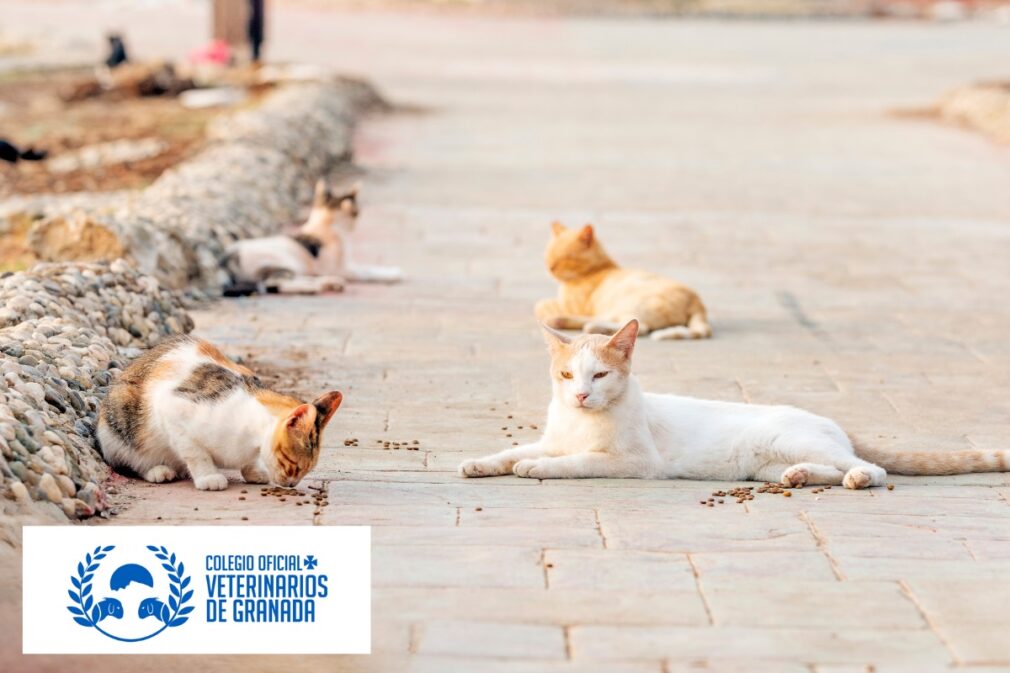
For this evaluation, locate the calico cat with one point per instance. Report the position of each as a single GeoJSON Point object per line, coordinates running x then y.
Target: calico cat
{"type": "Point", "coordinates": [597, 296]}
{"type": "Point", "coordinates": [184, 408]}
{"type": "Point", "coordinates": [313, 259]}
{"type": "Point", "coordinates": [600, 424]}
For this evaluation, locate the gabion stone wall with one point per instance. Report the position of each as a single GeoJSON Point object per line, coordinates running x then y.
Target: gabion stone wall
{"type": "Point", "coordinates": [252, 179]}
{"type": "Point", "coordinates": [66, 330]}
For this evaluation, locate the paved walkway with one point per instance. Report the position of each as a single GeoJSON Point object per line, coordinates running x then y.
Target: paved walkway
{"type": "Point", "coordinates": [854, 263]}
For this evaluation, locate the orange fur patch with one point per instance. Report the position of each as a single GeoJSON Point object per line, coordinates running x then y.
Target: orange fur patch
{"type": "Point", "coordinates": [277, 403]}
{"type": "Point", "coordinates": [934, 462]}
{"type": "Point", "coordinates": [212, 351]}
{"type": "Point", "coordinates": [562, 353]}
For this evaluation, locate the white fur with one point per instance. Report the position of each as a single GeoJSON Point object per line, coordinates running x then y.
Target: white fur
{"type": "Point", "coordinates": [184, 436]}
{"type": "Point", "coordinates": [330, 270]}
{"type": "Point", "coordinates": [619, 431]}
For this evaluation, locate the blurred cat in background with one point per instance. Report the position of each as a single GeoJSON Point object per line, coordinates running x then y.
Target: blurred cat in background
{"type": "Point", "coordinates": [316, 258]}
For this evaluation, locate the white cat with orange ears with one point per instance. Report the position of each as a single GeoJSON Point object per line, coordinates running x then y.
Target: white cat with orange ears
{"type": "Point", "coordinates": [600, 424]}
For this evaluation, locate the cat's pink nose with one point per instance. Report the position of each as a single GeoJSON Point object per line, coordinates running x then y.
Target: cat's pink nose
{"type": "Point", "coordinates": [581, 397]}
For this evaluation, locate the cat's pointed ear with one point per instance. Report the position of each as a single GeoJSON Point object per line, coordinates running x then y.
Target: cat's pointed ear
{"type": "Point", "coordinates": [299, 418]}
{"type": "Point", "coordinates": [586, 234]}
{"type": "Point", "coordinates": [326, 405]}
{"type": "Point", "coordinates": [322, 193]}
{"type": "Point", "coordinates": [555, 339]}
{"type": "Point", "coordinates": [623, 340]}
{"type": "Point", "coordinates": [557, 227]}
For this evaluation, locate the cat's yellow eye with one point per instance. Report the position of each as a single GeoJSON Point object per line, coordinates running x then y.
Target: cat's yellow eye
{"type": "Point", "coordinates": [566, 375]}
{"type": "Point", "coordinates": [600, 375]}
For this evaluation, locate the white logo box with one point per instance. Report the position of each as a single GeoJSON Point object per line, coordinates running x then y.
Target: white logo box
{"type": "Point", "coordinates": [197, 590]}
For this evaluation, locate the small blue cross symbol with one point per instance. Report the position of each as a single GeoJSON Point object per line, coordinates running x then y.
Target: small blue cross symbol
{"type": "Point", "coordinates": [310, 562]}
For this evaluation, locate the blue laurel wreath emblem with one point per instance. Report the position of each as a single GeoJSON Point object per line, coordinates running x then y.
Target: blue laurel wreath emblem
{"type": "Point", "coordinates": [87, 612]}
{"type": "Point", "coordinates": [90, 613]}
{"type": "Point", "coordinates": [172, 614]}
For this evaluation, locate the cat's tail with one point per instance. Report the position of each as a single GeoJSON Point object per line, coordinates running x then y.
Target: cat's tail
{"type": "Point", "coordinates": [923, 463]}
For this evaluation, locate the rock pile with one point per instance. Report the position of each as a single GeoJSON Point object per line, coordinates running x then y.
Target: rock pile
{"type": "Point", "coordinates": [252, 179]}
{"type": "Point", "coordinates": [66, 330]}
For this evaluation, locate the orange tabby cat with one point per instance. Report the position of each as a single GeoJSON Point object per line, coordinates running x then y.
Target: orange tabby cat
{"type": "Point", "coordinates": [598, 296]}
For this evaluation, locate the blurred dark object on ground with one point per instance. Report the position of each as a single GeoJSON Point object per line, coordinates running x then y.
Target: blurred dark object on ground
{"type": "Point", "coordinates": [11, 154]}
{"type": "Point", "coordinates": [129, 80]}
{"type": "Point", "coordinates": [117, 51]}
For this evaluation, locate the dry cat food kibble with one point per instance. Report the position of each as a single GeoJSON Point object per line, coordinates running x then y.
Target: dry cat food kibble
{"type": "Point", "coordinates": [412, 445]}
{"type": "Point", "coordinates": [746, 493]}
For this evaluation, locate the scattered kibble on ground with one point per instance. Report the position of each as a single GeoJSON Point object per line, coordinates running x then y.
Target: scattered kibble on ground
{"type": "Point", "coordinates": [387, 444]}
{"type": "Point", "coordinates": [746, 493]}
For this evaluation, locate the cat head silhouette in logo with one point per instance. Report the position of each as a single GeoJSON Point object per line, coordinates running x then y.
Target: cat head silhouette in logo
{"type": "Point", "coordinates": [131, 572]}
{"type": "Point", "coordinates": [151, 607]}
{"type": "Point", "coordinates": [109, 607]}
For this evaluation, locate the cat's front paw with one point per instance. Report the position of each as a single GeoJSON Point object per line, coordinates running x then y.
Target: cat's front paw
{"type": "Point", "coordinates": [795, 477]}
{"type": "Point", "coordinates": [253, 474]}
{"type": "Point", "coordinates": [533, 468]}
{"type": "Point", "coordinates": [480, 468]}
{"type": "Point", "coordinates": [864, 476]}
{"type": "Point", "coordinates": [211, 482]}
{"type": "Point", "coordinates": [599, 327]}
{"type": "Point", "coordinates": [159, 474]}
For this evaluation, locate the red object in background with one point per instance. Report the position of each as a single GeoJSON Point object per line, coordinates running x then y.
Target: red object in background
{"type": "Point", "coordinates": [216, 52]}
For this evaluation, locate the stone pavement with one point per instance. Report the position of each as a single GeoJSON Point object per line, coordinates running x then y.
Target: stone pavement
{"type": "Point", "coordinates": [854, 262]}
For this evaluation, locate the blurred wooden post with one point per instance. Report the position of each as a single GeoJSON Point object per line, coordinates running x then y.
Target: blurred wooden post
{"type": "Point", "coordinates": [231, 24]}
